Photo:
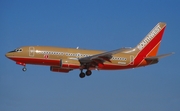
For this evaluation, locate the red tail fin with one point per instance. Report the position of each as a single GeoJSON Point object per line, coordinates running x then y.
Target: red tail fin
{"type": "Point", "coordinates": [150, 44]}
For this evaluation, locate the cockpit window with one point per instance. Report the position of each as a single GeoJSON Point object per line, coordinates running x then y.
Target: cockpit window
{"type": "Point", "coordinates": [17, 50]}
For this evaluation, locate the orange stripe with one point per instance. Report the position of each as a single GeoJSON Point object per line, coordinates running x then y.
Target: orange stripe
{"type": "Point", "coordinates": [154, 51]}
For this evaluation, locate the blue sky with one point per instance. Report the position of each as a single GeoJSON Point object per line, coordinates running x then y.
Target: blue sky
{"type": "Point", "coordinates": [102, 25]}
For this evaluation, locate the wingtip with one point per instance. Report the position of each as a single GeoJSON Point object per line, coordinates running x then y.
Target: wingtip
{"type": "Point", "coordinates": [172, 53]}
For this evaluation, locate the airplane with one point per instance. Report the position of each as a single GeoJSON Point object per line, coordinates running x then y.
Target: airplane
{"type": "Point", "coordinates": [67, 59]}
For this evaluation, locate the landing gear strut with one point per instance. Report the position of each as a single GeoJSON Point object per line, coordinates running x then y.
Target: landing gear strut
{"type": "Point", "coordinates": [22, 64]}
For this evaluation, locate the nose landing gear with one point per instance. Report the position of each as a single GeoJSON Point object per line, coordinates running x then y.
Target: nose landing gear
{"type": "Point", "coordinates": [24, 69]}
{"type": "Point", "coordinates": [22, 64]}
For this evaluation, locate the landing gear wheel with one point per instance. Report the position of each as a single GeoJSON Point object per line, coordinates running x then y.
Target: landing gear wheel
{"type": "Point", "coordinates": [81, 75]}
{"type": "Point", "coordinates": [88, 72]}
{"type": "Point", "coordinates": [24, 69]}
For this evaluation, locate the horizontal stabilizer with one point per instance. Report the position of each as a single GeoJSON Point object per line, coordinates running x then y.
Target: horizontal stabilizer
{"type": "Point", "coordinates": [159, 56]}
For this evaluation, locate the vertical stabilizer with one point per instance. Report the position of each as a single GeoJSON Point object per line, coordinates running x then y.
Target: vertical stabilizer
{"type": "Point", "coordinates": [150, 44]}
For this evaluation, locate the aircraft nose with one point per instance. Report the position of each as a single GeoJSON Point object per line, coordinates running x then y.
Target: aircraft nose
{"type": "Point", "coordinates": [7, 55]}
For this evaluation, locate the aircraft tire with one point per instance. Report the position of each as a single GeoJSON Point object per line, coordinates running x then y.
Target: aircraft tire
{"type": "Point", "coordinates": [24, 69]}
{"type": "Point", "coordinates": [82, 75]}
{"type": "Point", "coordinates": [88, 72]}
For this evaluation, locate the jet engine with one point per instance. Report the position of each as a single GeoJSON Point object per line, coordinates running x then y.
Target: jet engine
{"type": "Point", "coordinates": [69, 64]}
{"type": "Point", "coordinates": [59, 69]}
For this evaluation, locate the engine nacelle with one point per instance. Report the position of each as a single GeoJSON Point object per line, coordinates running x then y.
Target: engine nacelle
{"type": "Point", "coordinates": [69, 64]}
{"type": "Point", "coordinates": [58, 69]}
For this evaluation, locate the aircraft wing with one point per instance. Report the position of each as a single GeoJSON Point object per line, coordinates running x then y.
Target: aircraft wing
{"type": "Point", "coordinates": [99, 58]}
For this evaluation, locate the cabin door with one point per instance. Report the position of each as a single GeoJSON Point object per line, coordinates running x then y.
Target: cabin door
{"type": "Point", "coordinates": [31, 51]}
{"type": "Point", "coordinates": [132, 59]}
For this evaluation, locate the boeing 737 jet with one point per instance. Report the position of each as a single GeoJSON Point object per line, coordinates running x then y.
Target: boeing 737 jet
{"type": "Point", "coordinates": [67, 59]}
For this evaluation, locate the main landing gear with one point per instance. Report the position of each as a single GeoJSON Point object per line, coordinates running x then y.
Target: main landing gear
{"type": "Point", "coordinates": [82, 74]}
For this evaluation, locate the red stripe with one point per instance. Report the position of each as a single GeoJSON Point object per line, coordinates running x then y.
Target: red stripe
{"type": "Point", "coordinates": [49, 62]}
{"type": "Point", "coordinates": [36, 61]}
